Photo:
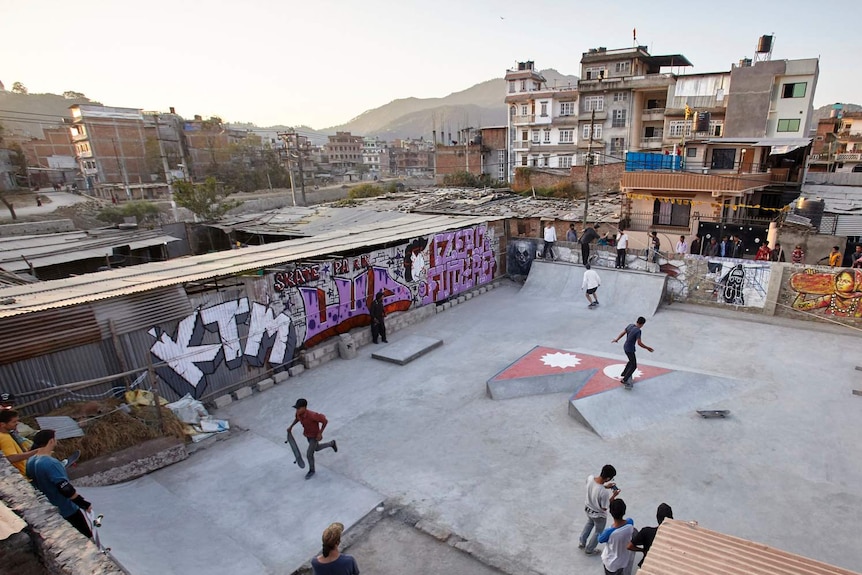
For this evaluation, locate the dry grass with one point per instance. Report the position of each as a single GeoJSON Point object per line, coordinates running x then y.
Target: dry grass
{"type": "Point", "coordinates": [114, 431]}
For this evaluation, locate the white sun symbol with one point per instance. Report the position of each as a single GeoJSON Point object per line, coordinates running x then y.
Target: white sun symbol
{"type": "Point", "coordinates": [615, 371]}
{"type": "Point", "coordinates": [561, 360]}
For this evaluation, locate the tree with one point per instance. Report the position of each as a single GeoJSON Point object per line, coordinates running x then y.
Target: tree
{"type": "Point", "coordinates": [143, 212]}
{"type": "Point", "coordinates": [72, 95]}
{"type": "Point", "coordinates": [19, 88]}
{"type": "Point", "coordinates": [207, 201]}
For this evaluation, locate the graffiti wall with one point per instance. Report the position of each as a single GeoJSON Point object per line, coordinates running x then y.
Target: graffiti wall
{"type": "Point", "coordinates": [520, 254]}
{"type": "Point", "coordinates": [824, 293]}
{"type": "Point", "coordinates": [306, 303]}
{"type": "Point", "coordinates": [726, 281]}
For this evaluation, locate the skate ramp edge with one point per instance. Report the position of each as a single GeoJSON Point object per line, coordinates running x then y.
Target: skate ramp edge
{"type": "Point", "coordinates": [623, 291]}
{"type": "Point", "coordinates": [618, 411]}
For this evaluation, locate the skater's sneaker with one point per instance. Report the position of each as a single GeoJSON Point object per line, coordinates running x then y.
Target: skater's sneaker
{"type": "Point", "coordinates": [309, 475]}
{"type": "Point", "coordinates": [334, 446]}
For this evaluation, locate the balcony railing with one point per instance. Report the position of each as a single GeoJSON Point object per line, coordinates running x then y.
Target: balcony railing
{"type": "Point", "coordinates": [653, 115]}
{"type": "Point", "coordinates": [721, 183]}
{"type": "Point", "coordinates": [528, 119]}
{"type": "Point", "coordinates": [848, 157]}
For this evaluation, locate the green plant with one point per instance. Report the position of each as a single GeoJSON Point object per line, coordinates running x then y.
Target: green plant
{"type": "Point", "coordinates": [140, 210]}
{"type": "Point", "coordinates": [207, 201]}
{"type": "Point", "coordinates": [365, 191]}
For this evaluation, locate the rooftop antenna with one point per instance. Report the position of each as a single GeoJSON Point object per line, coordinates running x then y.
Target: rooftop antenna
{"type": "Point", "coordinates": [634, 37]}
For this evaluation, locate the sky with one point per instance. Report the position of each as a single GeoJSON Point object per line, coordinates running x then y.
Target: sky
{"type": "Point", "coordinates": [320, 63]}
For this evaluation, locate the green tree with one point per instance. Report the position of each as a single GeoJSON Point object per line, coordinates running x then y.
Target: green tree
{"type": "Point", "coordinates": [207, 201]}
{"type": "Point", "coordinates": [19, 88]}
{"type": "Point", "coordinates": [73, 95]}
{"type": "Point", "coordinates": [143, 212]}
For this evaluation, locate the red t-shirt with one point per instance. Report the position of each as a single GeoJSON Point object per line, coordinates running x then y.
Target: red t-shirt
{"type": "Point", "coordinates": [311, 422]}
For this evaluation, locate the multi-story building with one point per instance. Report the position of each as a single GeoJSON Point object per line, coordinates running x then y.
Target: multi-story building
{"type": "Point", "coordinates": [838, 143]}
{"type": "Point", "coordinates": [375, 156]}
{"type": "Point", "coordinates": [344, 151]}
{"type": "Point", "coordinates": [412, 157]}
{"type": "Point", "coordinates": [480, 152]}
{"type": "Point", "coordinates": [209, 144]}
{"type": "Point", "coordinates": [543, 122]}
{"type": "Point", "coordinates": [51, 158]}
{"type": "Point", "coordinates": [623, 95]}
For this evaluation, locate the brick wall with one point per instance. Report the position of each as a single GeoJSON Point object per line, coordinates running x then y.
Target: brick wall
{"type": "Point", "coordinates": [602, 178]}
{"type": "Point", "coordinates": [453, 159]}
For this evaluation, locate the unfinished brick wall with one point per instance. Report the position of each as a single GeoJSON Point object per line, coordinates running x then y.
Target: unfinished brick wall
{"type": "Point", "coordinates": [602, 178]}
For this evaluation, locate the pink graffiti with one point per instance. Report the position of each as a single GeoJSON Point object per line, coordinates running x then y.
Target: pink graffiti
{"type": "Point", "coordinates": [459, 261]}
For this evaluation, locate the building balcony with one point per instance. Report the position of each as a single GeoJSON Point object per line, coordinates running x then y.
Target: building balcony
{"type": "Point", "coordinates": [649, 81]}
{"type": "Point", "coordinates": [587, 114]}
{"type": "Point", "coordinates": [653, 115]}
{"type": "Point", "coordinates": [848, 157]}
{"type": "Point", "coordinates": [528, 119]}
{"type": "Point", "coordinates": [651, 143]}
{"type": "Point", "coordinates": [719, 182]}
{"type": "Point", "coordinates": [569, 120]}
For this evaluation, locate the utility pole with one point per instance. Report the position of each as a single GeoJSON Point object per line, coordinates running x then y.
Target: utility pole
{"type": "Point", "coordinates": [285, 137]}
{"type": "Point", "coordinates": [168, 177]}
{"type": "Point", "coordinates": [589, 163]}
{"type": "Point", "coordinates": [467, 146]}
{"type": "Point", "coordinates": [121, 163]}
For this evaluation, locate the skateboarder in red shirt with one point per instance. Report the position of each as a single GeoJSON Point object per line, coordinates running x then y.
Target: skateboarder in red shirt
{"type": "Point", "coordinates": [313, 424]}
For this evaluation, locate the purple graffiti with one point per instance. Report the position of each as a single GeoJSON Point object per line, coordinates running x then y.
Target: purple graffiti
{"type": "Point", "coordinates": [459, 261]}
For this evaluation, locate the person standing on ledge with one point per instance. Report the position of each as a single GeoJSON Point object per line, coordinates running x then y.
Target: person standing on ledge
{"type": "Point", "coordinates": [378, 325]}
{"type": "Point", "coordinates": [588, 236]}
{"type": "Point", "coordinates": [550, 240]}
{"type": "Point", "coordinates": [572, 235]}
{"type": "Point", "coordinates": [622, 245]}
{"type": "Point", "coordinates": [633, 335]}
{"type": "Point", "coordinates": [313, 424]}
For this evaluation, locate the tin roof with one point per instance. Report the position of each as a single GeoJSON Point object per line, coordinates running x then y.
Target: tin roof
{"type": "Point", "coordinates": [837, 199]}
{"type": "Point", "coordinates": [685, 548]}
{"type": "Point", "coordinates": [15, 300]}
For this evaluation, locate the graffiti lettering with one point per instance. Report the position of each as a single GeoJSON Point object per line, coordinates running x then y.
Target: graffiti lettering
{"type": "Point", "coordinates": [458, 261]}
{"type": "Point", "coordinates": [295, 277]}
{"type": "Point", "coordinates": [268, 330]}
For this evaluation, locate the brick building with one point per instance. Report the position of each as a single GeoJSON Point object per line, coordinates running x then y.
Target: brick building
{"type": "Point", "coordinates": [208, 144]}
{"type": "Point", "coordinates": [482, 151]}
{"type": "Point", "coordinates": [344, 151]}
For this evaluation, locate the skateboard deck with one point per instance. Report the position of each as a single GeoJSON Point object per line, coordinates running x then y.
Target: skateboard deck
{"type": "Point", "coordinates": [95, 522]}
{"type": "Point", "coordinates": [709, 413]}
{"type": "Point", "coordinates": [297, 454]}
{"type": "Point", "coordinates": [72, 459]}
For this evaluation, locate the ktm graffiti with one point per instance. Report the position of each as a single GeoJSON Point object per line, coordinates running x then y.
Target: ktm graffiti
{"type": "Point", "coordinates": [457, 262]}
{"type": "Point", "coordinates": [210, 337]}
{"type": "Point", "coordinates": [837, 294]}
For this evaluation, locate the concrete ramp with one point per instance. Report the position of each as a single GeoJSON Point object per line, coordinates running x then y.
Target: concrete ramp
{"type": "Point", "coordinates": [618, 411]}
{"type": "Point", "coordinates": [624, 291]}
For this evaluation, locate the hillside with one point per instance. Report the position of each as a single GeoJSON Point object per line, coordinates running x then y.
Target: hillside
{"type": "Point", "coordinates": [27, 114]}
{"type": "Point", "coordinates": [479, 105]}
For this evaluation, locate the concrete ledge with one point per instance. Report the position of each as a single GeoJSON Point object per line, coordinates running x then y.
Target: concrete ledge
{"type": "Point", "coordinates": [265, 384]}
{"type": "Point", "coordinates": [406, 350]}
{"type": "Point", "coordinates": [129, 463]}
{"type": "Point", "coordinates": [223, 401]}
{"type": "Point", "coordinates": [295, 370]}
{"type": "Point", "coordinates": [435, 530]}
{"type": "Point", "coordinates": [243, 392]}
{"type": "Point", "coordinates": [282, 376]}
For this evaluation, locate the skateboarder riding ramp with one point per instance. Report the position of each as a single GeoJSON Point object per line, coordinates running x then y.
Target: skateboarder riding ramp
{"type": "Point", "coordinates": [627, 291]}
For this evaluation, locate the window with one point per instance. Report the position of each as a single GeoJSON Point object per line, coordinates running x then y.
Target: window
{"type": "Point", "coordinates": [544, 109]}
{"type": "Point", "coordinates": [595, 73]}
{"type": "Point", "coordinates": [652, 132]}
{"type": "Point", "coordinates": [618, 145]}
{"type": "Point", "coordinates": [565, 161]}
{"type": "Point", "coordinates": [678, 127]}
{"type": "Point", "coordinates": [513, 110]}
{"type": "Point", "coordinates": [597, 131]}
{"type": "Point", "coordinates": [596, 103]}
{"type": "Point", "coordinates": [671, 214]}
{"type": "Point", "coordinates": [524, 110]}
{"type": "Point", "coordinates": [567, 136]}
{"type": "Point", "coordinates": [511, 86]}
{"type": "Point", "coordinates": [567, 108]}
{"type": "Point", "coordinates": [523, 85]}
{"type": "Point", "coordinates": [691, 152]}
{"type": "Point", "coordinates": [621, 96]}
{"type": "Point", "coordinates": [795, 90]}
{"type": "Point", "coordinates": [547, 138]}
{"type": "Point", "coordinates": [715, 128]}
{"type": "Point", "coordinates": [534, 161]}
{"type": "Point", "coordinates": [788, 125]}
{"type": "Point", "coordinates": [525, 136]}
{"type": "Point", "coordinates": [536, 86]}
{"type": "Point", "coordinates": [622, 67]}
{"type": "Point", "coordinates": [535, 136]}
{"type": "Point", "coordinates": [523, 160]}
{"type": "Point", "coordinates": [723, 158]}
{"type": "Point", "coordinates": [619, 119]}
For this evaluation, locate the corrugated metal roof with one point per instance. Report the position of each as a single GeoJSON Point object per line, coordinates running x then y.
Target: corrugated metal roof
{"type": "Point", "coordinates": [53, 249]}
{"type": "Point", "coordinates": [136, 279]}
{"type": "Point", "coordinates": [838, 199]}
{"type": "Point", "coordinates": [684, 548]}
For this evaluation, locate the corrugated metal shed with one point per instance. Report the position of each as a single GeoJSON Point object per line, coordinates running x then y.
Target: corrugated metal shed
{"type": "Point", "coordinates": [682, 548]}
{"type": "Point", "coordinates": [88, 288]}
{"type": "Point", "coordinates": [843, 201]}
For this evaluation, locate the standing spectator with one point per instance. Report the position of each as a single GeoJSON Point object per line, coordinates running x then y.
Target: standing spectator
{"type": "Point", "coordinates": [591, 283]}
{"type": "Point", "coordinates": [378, 323]}
{"type": "Point", "coordinates": [572, 235]}
{"type": "Point", "coordinates": [713, 250]}
{"type": "Point", "coordinates": [834, 257]}
{"type": "Point", "coordinates": [588, 236]}
{"type": "Point", "coordinates": [603, 241]}
{"type": "Point", "coordinates": [313, 424]}
{"type": "Point", "coordinates": [331, 561]}
{"type": "Point", "coordinates": [681, 246]}
{"type": "Point", "coordinates": [797, 256]}
{"type": "Point", "coordinates": [633, 336]}
{"type": "Point", "coordinates": [737, 249]}
{"type": "Point", "coordinates": [655, 246]}
{"type": "Point", "coordinates": [550, 239]}
{"type": "Point", "coordinates": [763, 252]}
{"type": "Point", "coordinates": [644, 538]}
{"type": "Point", "coordinates": [856, 258]}
{"type": "Point", "coordinates": [49, 476]}
{"type": "Point", "coordinates": [617, 558]}
{"type": "Point", "coordinates": [777, 254]}
{"type": "Point", "coordinates": [622, 245]}
{"type": "Point", "coordinates": [16, 449]}
{"type": "Point", "coordinates": [695, 246]}
{"type": "Point", "coordinates": [725, 247]}
{"type": "Point", "coordinates": [600, 492]}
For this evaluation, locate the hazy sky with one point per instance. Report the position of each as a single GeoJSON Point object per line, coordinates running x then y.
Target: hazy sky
{"type": "Point", "coordinates": [322, 62]}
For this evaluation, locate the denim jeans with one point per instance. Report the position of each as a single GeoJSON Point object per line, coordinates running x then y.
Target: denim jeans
{"type": "Point", "coordinates": [314, 445]}
{"type": "Point", "coordinates": [592, 522]}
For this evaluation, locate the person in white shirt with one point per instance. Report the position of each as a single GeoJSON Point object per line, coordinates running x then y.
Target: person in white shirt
{"type": "Point", "coordinates": [591, 283]}
{"type": "Point", "coordinates": [601, 490]}
{"type": "Point", "coordinates": [622, 244]}
{"type": "Point", "coordinates": [681, 246]}
{"type": "Point", "coordinates": [617, 558]}
{"type": "Point", "coordinates": [550, 238]}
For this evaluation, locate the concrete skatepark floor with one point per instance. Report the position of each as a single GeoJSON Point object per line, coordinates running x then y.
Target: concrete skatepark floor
{"type": "Point", "coordinates": [509, 474]}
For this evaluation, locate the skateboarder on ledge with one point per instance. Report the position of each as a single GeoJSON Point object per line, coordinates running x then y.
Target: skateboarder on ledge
{"type": "Point", "coordinates": [313, 424]}
{"type": "Point", "coordinates": [633, 335]}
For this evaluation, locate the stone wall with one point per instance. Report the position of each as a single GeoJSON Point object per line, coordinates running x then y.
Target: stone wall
{"type": "Point", "coordinates": [62, 549]}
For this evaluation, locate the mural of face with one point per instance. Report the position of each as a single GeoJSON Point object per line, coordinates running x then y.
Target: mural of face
{"type": "Point", "coordinates": [844, 283]}
{"type": "Point", "coordinates": [520, 257]}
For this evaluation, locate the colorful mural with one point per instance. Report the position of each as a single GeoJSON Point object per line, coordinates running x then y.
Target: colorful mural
{"type": "Point", "coordinates": [309, 302]}
{"type": "Point", "coordinates": [835, 293]}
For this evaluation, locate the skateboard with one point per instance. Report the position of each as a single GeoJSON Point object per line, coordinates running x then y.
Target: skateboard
{"type": "Point", "coordinates": [72, 459]}
{"type": "Point", "coordinates": [297, 454]}
{"type": "Point", "coordinates": [95, 522]}
{"type": "Point", "coordinates": [711, 413]}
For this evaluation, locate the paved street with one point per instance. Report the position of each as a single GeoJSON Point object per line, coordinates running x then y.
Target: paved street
{"type": "Point", "coordinates": [56, 200]}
